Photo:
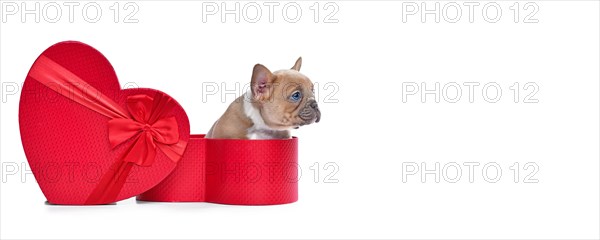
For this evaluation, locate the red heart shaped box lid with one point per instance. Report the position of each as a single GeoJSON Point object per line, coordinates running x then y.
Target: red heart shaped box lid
{"type": "Point", "coordinates": [67, 144]}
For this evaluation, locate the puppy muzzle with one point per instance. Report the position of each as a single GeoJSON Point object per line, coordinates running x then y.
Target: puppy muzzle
{"type": "Point", "coordinates": [310, 113]}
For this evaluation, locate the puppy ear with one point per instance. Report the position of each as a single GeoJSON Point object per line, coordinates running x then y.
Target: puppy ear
{"type": "Point", "coordinates": [298, 64]}
{"type": "Point", "coordinates": [261, 82]}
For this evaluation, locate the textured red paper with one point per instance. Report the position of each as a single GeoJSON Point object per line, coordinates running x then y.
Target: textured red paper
{"type": "Point", "coordinates": [67, 144]}
{"type": "Point", "coordinates": [232, 171]}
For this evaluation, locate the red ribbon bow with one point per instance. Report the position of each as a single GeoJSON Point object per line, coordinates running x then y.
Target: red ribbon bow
{"type": "Point", "coordinates": [148, 133]}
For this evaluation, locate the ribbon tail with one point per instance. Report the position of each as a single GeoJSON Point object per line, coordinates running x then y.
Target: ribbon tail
{"type": "Point", "coordinates": [113, 180]}
{"type": "Point", "coordinates": [142, 152]}
{"type": "Point", "coordinates": [111, 184]}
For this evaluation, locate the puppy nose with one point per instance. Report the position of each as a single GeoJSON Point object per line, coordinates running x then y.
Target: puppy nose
{"type": "Point", "coordinates": [314, 105]}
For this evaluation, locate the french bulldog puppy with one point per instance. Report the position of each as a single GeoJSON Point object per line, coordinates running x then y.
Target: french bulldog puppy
{"type": "Point", "coordinates": [276, 103]}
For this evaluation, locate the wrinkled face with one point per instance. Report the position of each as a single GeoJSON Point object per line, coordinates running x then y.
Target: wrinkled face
{"type": "Point", "coordinates": [292, 102]}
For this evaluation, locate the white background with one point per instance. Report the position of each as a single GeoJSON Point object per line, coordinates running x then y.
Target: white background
{"type": "Point", "coordinates": [369, 133]}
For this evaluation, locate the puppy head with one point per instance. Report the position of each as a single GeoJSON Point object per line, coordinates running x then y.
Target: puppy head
{"type": "Point", "coordinates": [285, 98]}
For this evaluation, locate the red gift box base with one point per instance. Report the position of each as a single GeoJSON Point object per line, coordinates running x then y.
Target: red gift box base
{"type": "Point", "coordinates": [232, 171]}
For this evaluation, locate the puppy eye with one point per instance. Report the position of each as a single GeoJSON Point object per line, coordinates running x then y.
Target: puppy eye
{"type": "Point", "coordinates": [296, 96]}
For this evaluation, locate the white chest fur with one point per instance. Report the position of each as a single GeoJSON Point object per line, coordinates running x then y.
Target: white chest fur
{"type": "Point", "coordinates": [259, 130]}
